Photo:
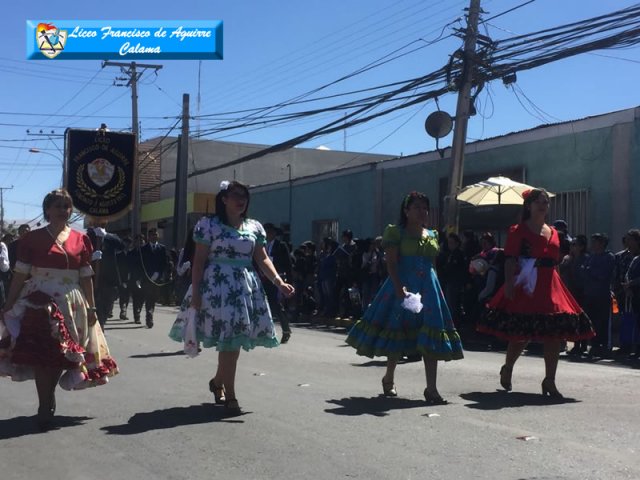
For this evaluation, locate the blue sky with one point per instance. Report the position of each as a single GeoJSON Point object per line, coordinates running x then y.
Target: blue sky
{"type": "Point", "coordinates": [275, 50]}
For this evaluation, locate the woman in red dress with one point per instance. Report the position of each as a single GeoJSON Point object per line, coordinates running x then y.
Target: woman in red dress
{"type": "Point", "coordinates": [534, 304]}
{"type": "Point", "coordinates": [48, 323]}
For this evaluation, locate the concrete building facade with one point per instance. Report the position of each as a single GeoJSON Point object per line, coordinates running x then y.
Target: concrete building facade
{"type": "Point", "coordinates": [591, 164]}
{"type": "Point", "coordinates": [158, 158]}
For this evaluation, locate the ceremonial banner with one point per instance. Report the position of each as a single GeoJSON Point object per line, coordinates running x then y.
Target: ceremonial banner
{"type": "Point", "coordinates": [100, 171]}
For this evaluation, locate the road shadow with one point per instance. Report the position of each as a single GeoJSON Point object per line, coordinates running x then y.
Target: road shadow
{"type": "Point", "coordinates": [172, 418]}
{"type": "Point", "coordinates": [500, 399]}
{"type": "Point", "coordinates": [158, 354]}
{"type": "Point", "coordinates": [379, 406]}
{"type": "Point", "coordinates": [383, 363]}
{"type": "Point", "coordinates": [133, 326]}
{"type": "Point", "coordinates": [371, 363]}
{"type": "Point", "coordinates": [21, 426]}
{"type": "Point", "coordinates": [319, 326]}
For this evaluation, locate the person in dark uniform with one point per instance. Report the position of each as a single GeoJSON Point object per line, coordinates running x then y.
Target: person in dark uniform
{"type": "Point", "coordinates": [344, 276]}
{"type": "Point", "coordinates": [123, 270]}
{"type": "Point", "coordinates": [108, 276]}
{"type": "Point", "coordinates": [155, 269]}
{"type": "Point", "coordinates": [13, 246]}
{"type": "Point", "coordinates": [279, 255]}
{"type": "Point", "coordinates": [135, 273]}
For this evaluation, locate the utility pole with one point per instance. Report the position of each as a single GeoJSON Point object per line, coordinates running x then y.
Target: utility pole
{"type": "Point", "coordinates": [463, 109]}
{"type": "Point", "coordinates": [182, 171]}
{"type": "Point", "coordinates": [344, 135]}
{"type": "Point", "coordinates": [2, 189]}
{"type": "Point", "coordinates": [132, 77]}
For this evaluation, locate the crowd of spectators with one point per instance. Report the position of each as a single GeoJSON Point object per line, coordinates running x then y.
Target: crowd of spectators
{"type": "Point", "coordinates": [339, 279]}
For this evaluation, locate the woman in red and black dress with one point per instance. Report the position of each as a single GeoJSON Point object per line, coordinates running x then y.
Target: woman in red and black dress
{"type": "Point", "coordinates": [48, 329]}
{"type": "Point", "coordinates": [534, 304]}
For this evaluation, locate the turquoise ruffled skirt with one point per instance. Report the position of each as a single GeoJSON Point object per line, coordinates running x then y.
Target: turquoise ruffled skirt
{"type": "Point", "coordinates": [389, 330]}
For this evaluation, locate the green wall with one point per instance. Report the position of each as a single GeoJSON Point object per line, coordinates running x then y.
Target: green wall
{"type": "Point", "coordinates": [635, 175]}
{"type": "Point", "coordinates": [347, 199]}
{"type": "Point", "coordinates": [576, 161]}
{"type": "Point", "coordinates": [566, 163]}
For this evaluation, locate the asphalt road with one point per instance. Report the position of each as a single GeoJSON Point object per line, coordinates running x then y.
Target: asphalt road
{"type": "Point", "coordinates": [312, 410]}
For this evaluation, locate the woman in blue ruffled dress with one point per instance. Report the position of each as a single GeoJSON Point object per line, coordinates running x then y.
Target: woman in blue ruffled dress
{"type": "Point", "coordinates": [231, 305]}
{"type": "Point", "coordinates": [388, 329]}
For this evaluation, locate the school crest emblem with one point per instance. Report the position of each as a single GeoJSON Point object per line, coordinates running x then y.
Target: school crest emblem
{"type": "Point", "coordinates": [50, 39]}
{"type": "Point", "coordinates": [100, 171]}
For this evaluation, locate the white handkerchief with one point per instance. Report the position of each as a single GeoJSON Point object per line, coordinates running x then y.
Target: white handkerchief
{"type": "Point", "coordinates": [190, 335]}
{"type": "Point", "coordinates": [528, 276]}
{"type": "Point", "coordinates": [413, 302]}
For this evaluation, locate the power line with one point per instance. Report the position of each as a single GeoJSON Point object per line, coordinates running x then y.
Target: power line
{"type": "Point", "coordinates": [264, 119]}
{"type": "Point", "coordinates": [263, 113]}
{"type": "Point", "coordinates": [64, 115]}
{"type": "Point", "coordinates": [354, 51]}
{"type": "Point", "coordinates": [46, 65]}
{"type": "Point", "coordinates": [534, 106]}
{"type": "Point", "coordinates": [54, 78]}
{"type": "Point", "coordinates": [507, 11]}
{"type": "Point", "coordinates": [614, 30]}
{"type": "Point", "coordinates": [75, 95]}
{"type": "Point", "coordinates": [386, 137]}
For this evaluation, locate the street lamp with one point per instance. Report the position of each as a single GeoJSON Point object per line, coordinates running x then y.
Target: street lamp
{"type": "Point", "coordinates": [37, 150]}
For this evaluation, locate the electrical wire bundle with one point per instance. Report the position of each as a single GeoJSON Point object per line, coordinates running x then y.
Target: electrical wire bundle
{"type": "Point", "coordinates": [619, 29]}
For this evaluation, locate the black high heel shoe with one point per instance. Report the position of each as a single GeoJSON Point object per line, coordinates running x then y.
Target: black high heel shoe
{"type": "Point", "coordinates": [549, 388]}
{"type": "Point", "coordinates": [505, 377]}
{"type": "Point", "coordinates": [434, 398]}
{"type": "Point", "coordinates": [388, 388]}
{"type": "Point", "coordinates": [44, 418]}
{"type": "Point", "coordinates": [218, 392]}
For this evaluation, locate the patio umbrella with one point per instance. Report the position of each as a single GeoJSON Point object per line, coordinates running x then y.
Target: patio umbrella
{"type": "Point", "coordinates": [494, 191]}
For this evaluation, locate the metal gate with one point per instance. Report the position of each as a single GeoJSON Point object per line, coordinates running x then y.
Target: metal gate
{"type": "Point", "coordinates": [572, 207]}
{"type": "Point", "coordinates": [325, 228]}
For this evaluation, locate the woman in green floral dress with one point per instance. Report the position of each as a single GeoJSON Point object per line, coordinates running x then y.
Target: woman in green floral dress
{"type": "Point", "coordinates": [232, 309]}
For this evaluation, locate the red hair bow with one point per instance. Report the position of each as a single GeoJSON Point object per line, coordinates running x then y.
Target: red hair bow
{"type": "Point", "coordinates": [526, 193]}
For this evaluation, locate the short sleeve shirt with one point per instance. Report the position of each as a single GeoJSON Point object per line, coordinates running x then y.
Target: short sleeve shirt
{"type": "Point", "coordinates": [227, 242]}
{"type": "Point", "coordinates": [38, 249]}
{"type": "Point", "coordinates": [425, 246]}
{"type": "Point", "coordinates": [521, 241]}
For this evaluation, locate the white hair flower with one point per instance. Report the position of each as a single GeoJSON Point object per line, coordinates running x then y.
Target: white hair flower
{"type": "Point", "coordinates": [224, 184]}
